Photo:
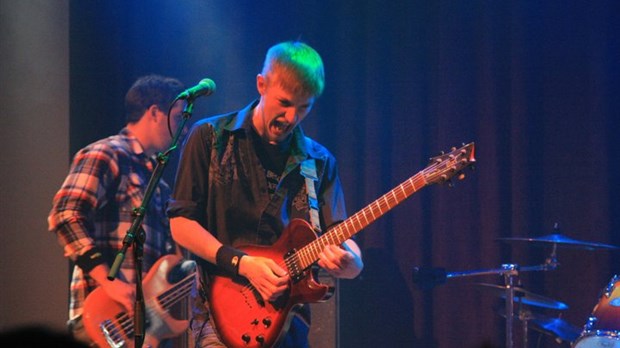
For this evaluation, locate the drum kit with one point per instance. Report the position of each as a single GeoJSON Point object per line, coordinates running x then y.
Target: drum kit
{"type": "Point", "coordinates": [602, 327]}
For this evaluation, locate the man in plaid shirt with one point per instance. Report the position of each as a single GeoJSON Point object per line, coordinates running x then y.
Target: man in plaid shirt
{"type": "Point", "coordinates": [92, 211]}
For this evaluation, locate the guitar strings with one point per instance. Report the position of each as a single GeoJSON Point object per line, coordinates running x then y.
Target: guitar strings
{"type": "Point", "coordinates": [169, 298]}
{"type": "Point", "coordinates": [126, 322]}
{"type": "Point", "coordinates": [123, 325]}
{"type": "Point", "coordinates": [309, 253]}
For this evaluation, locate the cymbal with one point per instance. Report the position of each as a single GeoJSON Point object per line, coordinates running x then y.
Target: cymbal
{"type": "Point", "coordinates": [560, 240]}
{"type": "Point", "coordinates": [556, 327]}
{"type": "Point", "coordinates": [527, 297]}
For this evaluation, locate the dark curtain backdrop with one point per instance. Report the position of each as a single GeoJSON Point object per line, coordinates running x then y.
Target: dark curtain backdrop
{"type": "Point", "coordinates": [533, 83]}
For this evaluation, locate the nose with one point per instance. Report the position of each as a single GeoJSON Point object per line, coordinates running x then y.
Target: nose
{"type": "Point", "coordinates": [291, 115]}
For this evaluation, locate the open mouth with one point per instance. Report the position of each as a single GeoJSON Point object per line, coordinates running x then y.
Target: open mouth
{"type": "Point", "coordinates": [279, 128]}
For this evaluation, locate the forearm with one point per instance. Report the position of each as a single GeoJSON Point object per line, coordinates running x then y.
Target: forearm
{"type": "Point", "coordinates": [351, 246]}
{"type": "Point", "coordinates": [195, 238]}
{"type": "Point", "coordinates": [358, 264]}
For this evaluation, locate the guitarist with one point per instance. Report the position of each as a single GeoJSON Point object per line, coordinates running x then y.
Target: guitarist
{"type": "Point", "coordinates": [92, 211]}
{"type": "Point", "coordinates": [239, 182]}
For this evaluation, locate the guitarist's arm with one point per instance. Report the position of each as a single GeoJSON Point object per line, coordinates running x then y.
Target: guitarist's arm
{"type": "Point", "coordinates": [269, 279]}
{"type": "Point", "coordinates": [342, 261]}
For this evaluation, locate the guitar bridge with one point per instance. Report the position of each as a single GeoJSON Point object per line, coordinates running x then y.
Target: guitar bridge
{"type": "Point", "coordinates": [109, 330]}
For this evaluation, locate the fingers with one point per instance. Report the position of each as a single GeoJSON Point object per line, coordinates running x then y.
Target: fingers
{"type": "Point", "coordinates": [335, 260]}
{"type": "Point", "coordinates": [121, 292]}
{"type": "Point", "coordinates": [277, 281]}
{"type": "Point", "coordinates": [271, 291]}
{"type": "Point", "coordinates": [277, 270]}
{"type": "Point", "coordinates": [266, 276]}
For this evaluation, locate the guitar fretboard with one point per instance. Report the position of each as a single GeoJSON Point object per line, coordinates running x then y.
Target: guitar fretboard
{"type": "Point", "coordinates": [358, 221]}
{"type": "Point", "coordinates": [442, 168]}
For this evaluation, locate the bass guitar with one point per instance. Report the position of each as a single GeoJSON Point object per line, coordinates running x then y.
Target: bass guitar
{"type": "Point", "coordinates": [108, 324]}
{"type": "Point", "coordinates": [243, 319]}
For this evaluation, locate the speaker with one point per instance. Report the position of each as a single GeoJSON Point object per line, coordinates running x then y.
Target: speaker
{"type": "Point", "coordinates": [324, 331]}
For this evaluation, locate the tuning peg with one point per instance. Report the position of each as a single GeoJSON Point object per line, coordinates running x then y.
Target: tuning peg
{"type": "Point", "coordinates": [461, 176]}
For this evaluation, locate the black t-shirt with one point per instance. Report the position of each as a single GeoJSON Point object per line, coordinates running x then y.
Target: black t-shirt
{"type": "Point", "coordinates": [273, 158]}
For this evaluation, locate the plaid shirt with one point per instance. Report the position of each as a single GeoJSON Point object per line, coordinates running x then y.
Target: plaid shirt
{"type": "Point", "coordinates": [94, 206]}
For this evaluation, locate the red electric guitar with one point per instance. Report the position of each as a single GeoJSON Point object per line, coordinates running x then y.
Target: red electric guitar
{"type": "Point", "coordinates": [240, 315]}
{"type": "Point", "coordinates": [108, 324]}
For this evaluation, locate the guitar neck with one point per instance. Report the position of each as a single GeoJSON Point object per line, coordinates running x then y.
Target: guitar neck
{"type": "Point", "coordinates": [441, 169]}
{"type": "Point", "coordinates": [358, 221]}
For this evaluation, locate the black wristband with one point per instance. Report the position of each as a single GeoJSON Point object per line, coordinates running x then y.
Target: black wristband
{"type": "Point", "coordinates": [89, 260]}
{"type": "Point", "coordinates": [227, 258]}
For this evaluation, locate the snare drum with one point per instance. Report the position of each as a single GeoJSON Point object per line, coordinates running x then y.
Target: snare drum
{"type": "Point", "coordinates": [602, 330]}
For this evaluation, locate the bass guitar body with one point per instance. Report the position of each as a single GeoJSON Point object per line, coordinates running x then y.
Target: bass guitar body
{"type": "Point", "coordinates": [108, 324]}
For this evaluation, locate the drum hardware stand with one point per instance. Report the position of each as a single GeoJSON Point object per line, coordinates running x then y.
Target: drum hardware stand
{"type": "Point", "coordinates": [510, 272]}
{"type": "Point", "coordinates": [428, 278]}
{"type": "Point", "coordinates": [525, 317]}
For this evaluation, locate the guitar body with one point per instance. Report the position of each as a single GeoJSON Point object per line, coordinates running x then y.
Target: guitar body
{"type": "Point", "coordinates": [242, 318]}
{"type": "Point", "coordinates": [108, 324]}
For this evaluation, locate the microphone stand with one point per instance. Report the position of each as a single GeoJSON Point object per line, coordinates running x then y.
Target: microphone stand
{"type": "Point", "coordinates": [136, 236]}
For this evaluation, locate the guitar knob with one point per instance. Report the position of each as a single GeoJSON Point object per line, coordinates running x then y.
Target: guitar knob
{"type": "Point", "coordinates": [267, 322]}
{"type": "Point", "coordinates": [246, 338]}
{"type": "Point", "coordinates": [260, 339]}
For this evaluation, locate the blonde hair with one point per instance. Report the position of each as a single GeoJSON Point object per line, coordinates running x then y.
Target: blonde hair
{"type": "Point", "coordinates": [299, 67]}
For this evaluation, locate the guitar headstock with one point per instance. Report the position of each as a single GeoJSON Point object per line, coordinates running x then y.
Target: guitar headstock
{"type": "Point", "coordinates": [445, 166]}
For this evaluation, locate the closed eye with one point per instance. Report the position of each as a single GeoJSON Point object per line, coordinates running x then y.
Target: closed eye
{"type": "Point", "coordinates": [285, 103]}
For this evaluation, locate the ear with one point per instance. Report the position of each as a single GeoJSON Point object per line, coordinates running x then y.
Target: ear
{"type": "Point", "coordinates": [151, 112]}
{"type": "Point", "coordinates": [261, 84]}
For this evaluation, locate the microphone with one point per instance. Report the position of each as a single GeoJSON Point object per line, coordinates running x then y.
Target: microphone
{"type": "Point", "coordinates": [204, 87]}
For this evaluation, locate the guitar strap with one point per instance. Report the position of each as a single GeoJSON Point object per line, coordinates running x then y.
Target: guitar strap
{"type": "Point", "coordinates": [308, 170]}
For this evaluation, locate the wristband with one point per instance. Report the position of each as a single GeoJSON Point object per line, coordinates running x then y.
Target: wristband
{"type": "Point", "coordinates": [89, 260]}
{"type": "Point", "coordinates": [228, 259]}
